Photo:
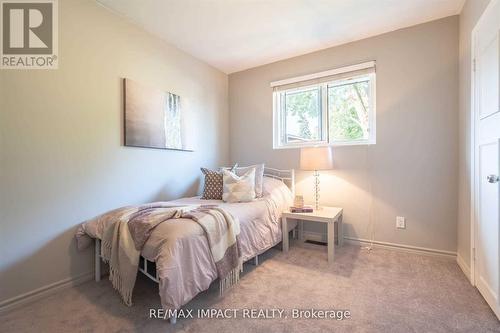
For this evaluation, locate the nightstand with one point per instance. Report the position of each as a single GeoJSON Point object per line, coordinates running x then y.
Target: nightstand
{"type": "Point", "coordinates": [328, 215]}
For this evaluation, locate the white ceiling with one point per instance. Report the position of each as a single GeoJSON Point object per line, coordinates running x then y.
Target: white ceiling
{"type": "Point", "coordinates": [233, 35]}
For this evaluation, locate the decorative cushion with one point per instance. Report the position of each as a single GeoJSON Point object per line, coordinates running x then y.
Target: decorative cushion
{"type": "Point", "coordinates": [212, 188]}
{"type": "Point", "coordinates": [238, 189]}
{"type": "Point", "coordinates": [259, 177]}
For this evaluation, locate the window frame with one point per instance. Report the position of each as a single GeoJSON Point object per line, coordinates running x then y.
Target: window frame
{"type": "Point", "coordinates": [279, 117]}
{"type": "Point", "coordinates": [323, 116]}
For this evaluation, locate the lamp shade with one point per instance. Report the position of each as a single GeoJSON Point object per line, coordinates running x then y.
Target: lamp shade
{"type": "Point", "coordinates": [316, 158]}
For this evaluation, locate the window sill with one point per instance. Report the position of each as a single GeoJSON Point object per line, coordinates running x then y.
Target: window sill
{"type": "Point", "coordinates": [333, 144]}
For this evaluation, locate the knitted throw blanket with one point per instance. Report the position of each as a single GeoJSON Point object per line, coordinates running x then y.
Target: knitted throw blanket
{"type": "Point", "coordinates": [222, 231]}
{"type": "Point", "coordinates": [127, 229]}
{"type": "Point", "coordinates": [123, 239]}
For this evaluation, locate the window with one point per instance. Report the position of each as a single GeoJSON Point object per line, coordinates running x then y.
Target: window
{"type": "Point", "coordinates": [335, 107]}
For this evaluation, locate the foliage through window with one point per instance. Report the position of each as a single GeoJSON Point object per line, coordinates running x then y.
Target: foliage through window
{"type": "Point", "coordinates": [303, 115]}
{"type": "Point", "coordinates": [332, 112]}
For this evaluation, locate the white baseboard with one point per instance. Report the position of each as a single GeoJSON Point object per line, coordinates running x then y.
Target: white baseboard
{"type": "Point", "coordinates": [317, 236]}
{"type": "Point", "coordinates": [466, 269]}
{"type": "Point", "coordinates": [44, 291]}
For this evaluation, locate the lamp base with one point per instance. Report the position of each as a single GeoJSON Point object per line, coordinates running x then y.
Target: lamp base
{"type": "Point", "coordinates": [316, 190]}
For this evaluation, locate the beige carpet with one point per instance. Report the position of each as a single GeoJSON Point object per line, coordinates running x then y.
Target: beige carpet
{"type": "Point", "coordinates": [385, 291]}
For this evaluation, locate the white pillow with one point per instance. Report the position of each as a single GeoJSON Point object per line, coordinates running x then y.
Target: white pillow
{"type": "Point", "coordinates": [259, 177]}
{"type": "Point", "coordinates": [238, 188]}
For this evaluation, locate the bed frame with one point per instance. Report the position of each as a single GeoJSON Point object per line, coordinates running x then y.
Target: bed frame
{"type": "Point", "coordinates": [148, 268]}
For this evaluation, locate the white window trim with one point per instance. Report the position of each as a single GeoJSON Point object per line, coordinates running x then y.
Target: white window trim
{"type": "Point", "coordinates": [331, 72]}
{"type": "Point", "coordinates": [280, 123]}
{"type": "Point", "coordinates": [325, 141]}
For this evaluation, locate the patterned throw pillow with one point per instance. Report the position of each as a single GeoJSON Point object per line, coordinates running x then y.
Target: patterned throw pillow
{"type": "Point", "coordinates": [212, 189]}
{"type": "Point", "coordinates": [238, 189]}
{"type": "Point", "coordinates": [259, 177]}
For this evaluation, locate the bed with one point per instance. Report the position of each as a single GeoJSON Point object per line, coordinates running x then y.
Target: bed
{"type": "Point", "coordinates": [177, 255]}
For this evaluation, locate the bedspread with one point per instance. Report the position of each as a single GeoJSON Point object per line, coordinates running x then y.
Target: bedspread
{"type": "Point", "coordinates": [179, 247]}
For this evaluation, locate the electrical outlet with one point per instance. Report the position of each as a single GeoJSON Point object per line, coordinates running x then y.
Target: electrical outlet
{"type": "Point", "coordinates": [400, 222]}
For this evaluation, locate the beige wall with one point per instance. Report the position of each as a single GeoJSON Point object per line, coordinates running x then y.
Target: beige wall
{"type": "Point", "coordinates": [62, 159]}
{"type": "Point", "coordinates": [412, 170]}
{"type": "Point", "coordinates": [471, 12]}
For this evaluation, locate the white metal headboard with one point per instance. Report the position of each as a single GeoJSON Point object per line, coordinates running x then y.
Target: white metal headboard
{"type": "Point", "coordinates": [286, 176]}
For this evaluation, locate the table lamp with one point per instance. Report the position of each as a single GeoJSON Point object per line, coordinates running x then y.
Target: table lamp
{"type": "Point", "coordinates": [316, 159]}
